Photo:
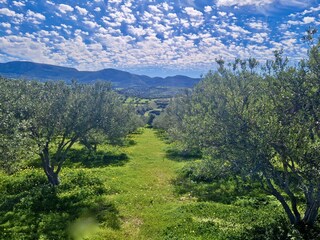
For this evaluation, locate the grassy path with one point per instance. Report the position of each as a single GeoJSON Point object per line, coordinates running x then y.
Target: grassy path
{"type": "Point", "coordinates": [139, 203]}
{"type": "Point", "coordinates": [142, 192]}
{"type": "Point", "coordinates": [142, 188]}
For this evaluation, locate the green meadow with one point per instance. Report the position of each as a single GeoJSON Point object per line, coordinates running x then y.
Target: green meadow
{"type": "Point", "coordinates": [136, 191]}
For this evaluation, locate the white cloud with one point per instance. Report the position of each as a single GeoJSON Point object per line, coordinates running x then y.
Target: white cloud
{"type": "Point", "coordinates": [124, 14]}
{"type": "Point", "coordinates": [222, 14]}
{"type": "Point", "coordinates": [153, 35]}
{"type": "Point", "coordinates": [166, 6]}
{"type": "Point", "coordinates": [289, 42]}
{"type": "Point", "coordinates": [7, 12]}
{"type": "Point", "coordinates": [115, 1]}
{"type": "Point", "coordinates": [207, 9]}
{"type": "Point", "coordinates": [35, 16]}
{"type": "Point", "coordinates": [195, 17]}
{"type": "Point", "coordinates": [137, 31]}
{"type": "Point", "coordinates": [193, 12]}
{"type": "Point", "coordinates": [81, 10]}
{"type": "Point", "coordinates": [291, 22]}
{"type": "Point", "coordinates": [259, 37]}
{"type": "Point", "coordinates": [259, 25]}
{"type": "Point", "coordinates": [66, 26]}
{"type": "Point", "coordinates": [307, 20]}
{"type": "Point", "coordinates": [74, 18]}
{"type": "Point", "coordinates": [91, 24]}
{"type": "Point", "coordinates": [192, 36]}
{"type": "Point", "coordinates": [110, 23]}
{"type": "Point", "coordinates": [44, 33]}
{"type": "Point", "coordinates": [65, 8]}
{"type": "Point", "coordinates": [17, 18]}
{"type": "Point", "coordinates": [5, 25]}
{"type": "Point", "coordinates": [239, 29]}
{"type": "Point", "coordinates": [244, 2]}
{"type": "Point", "coordinates": [290, 34]}
{"type": "Point", "coordinates": [25, 48]}
{"type": "Point", "coordinates": [18, 4]}
{"type": "Point", "coordinates": [311, 10]}
{"type": "Point", "coordinates": [160, 28]}
{"type": "Point", "coordinates": [155, 9]}
{"type": "Point", "coordinates": [151, 18]}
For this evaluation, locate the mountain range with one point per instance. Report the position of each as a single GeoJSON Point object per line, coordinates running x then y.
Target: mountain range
{"type": "Point", "coordinates": [119, 79]}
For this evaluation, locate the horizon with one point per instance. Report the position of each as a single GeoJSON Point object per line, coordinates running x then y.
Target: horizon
{"type": "Point", "coordinates": [156, 38]}
{"type": "Point", "coordinates": [165, 76]}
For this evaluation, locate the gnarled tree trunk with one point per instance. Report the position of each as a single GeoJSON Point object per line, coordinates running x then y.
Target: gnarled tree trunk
{"type": "Point", "coordinates": [48, 169]}
{"type": "Point", "coordinates": [52, 176]}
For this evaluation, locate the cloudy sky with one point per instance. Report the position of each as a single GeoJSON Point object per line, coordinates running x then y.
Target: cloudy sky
{"type": "Point", "coordinates": [152, 37]}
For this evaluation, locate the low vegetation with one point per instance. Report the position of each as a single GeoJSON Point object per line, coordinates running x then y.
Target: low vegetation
{"type": "Point", "coordinates": [148, 195]}
{"type": "Point", "coordinates": [258, 125]}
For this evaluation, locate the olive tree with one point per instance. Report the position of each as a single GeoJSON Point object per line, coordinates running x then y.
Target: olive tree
{"type": "Point", "coordinates": [57, 115]}
{"type": "Point", "coordinates": [12, 136]}
{"type": "Point", "coordinates": [264, 127]}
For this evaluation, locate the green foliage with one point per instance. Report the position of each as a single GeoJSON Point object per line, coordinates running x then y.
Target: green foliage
{"type": "Point", "coordinates": [261, 126]}
{"type": "Point", "coordinates": [32, 209]}
{"type": "Point", "coordinates": [206, 221]}
{"type": "Point", "coordinates": [12, 134]}
{"type": "Point", "coordinates": [177, 154]}
{"type": "Point", "coordinates": [198, 180]}
{"type": "Point", "coordinates": [227, 209]}
{"type": "Point", "coordinates": [84, 158]}
{"type": "Point", "coordinates": [135, 200]}
{"type": "Point", "coordinates": [53, 116]}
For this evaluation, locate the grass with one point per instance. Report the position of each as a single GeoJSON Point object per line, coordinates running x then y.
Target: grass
{"type": "Point", "coordinates": [150, 206]}
{"type": "Point", "coordinates": [146, 193]}
{"type": "Point", "coordinates": [135, 198]}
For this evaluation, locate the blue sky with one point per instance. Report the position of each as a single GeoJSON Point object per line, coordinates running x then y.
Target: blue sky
{"type": "Point", "coordinates": [154, 37]}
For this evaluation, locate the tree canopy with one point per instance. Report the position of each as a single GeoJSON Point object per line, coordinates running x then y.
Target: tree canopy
{"type": "Point", "coordinates": [53, 116]}
{"type": "Point", "coordinates": [260, 124]}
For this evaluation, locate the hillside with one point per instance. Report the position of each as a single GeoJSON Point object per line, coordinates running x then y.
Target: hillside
{"type": "Point", "coordinates": [119, 79]}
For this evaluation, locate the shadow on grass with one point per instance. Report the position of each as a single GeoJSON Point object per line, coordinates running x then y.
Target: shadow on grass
{"type": "Point", "coordinates": [127, 142]}
{"type": "Point", "coordinates": [227, 189]}
{"type": "Point", "coordinates": [30, 208]}
{"type": "Point", "coordinates": [180, 155]}
{"type": "Point", "coordinates": [162, 135]}
{"type": "Point", "coordinates": [95, 159]}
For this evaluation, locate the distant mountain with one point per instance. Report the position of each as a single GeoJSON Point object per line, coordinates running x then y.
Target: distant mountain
{"type": "Point", "coordinates": [119, 79]}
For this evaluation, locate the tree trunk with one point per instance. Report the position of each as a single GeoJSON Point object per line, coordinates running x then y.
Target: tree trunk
{"type": "Point", "coordinates": [48, 169]}
{"type": "Point", "coordinates": [311, 214]}
{"type": "Point", "coordinates": [281, 199]}
{"type": "Point", "coordinates": [53, 177]}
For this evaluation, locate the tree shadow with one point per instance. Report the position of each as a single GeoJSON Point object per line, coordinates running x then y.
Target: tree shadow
{"type": "Point", "coordinates": [182, 155]}
{"type": "Point", "coordinates": [127, 142]}
{"type": "Point", "coordinates": [228, 190]}
{"type": "Point", "coordinates": [162, 134]}
{"type": "Point", "coordinates": [130, 142]}
{"type": "Point", "coordinates": [92, 159]}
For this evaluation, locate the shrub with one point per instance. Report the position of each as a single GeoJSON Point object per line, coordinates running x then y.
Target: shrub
{"type": "Point", "coordinates": [30, 208]}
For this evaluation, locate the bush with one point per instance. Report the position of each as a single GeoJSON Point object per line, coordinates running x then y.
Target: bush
{"type": "Point", "coordinates": [208, 220]}
{"type": "Point", "coordinates": [32, 209]}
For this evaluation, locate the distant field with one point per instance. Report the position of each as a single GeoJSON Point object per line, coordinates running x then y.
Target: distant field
{"type": "Point", "coordinates": [152, 92]}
